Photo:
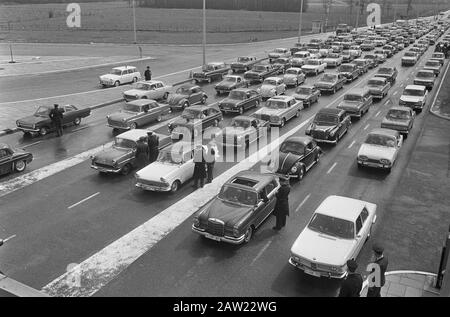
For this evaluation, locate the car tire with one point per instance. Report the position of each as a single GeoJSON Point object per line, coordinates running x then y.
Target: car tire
{"type": "Point", "coordinates": [185, 105]}
{"type": "Point", "coordinates": [20, 166]}
{"type": "Point", "coordinates": [203, 101]}
{"type": "Point", "coordinates": [77, 121]}
{"type": "Point", "coordinates": [159, 118]}
{"type": "Point", "coordinates": [241, 110]}
{"type": "Point", "coordinates": [248, 234]}
{"type": "Point", "coordinates": [117, 84]}
{"type": "Point", "coordinates": [388, 170]}
{"type": "Point", "coordinates": [135, 79]}
{"type": "Point", "coordinates": [133, 126]}
{"type": "Point", "coordinates": [297, 114]}
{"type": "Point", "coordinates": [43, 131]}
{"type": "Point", "coordinates": [166, 96]}
{"type": "Point", "coordinates": [216, 123]}
{"type": "Point", "coordinates": [126, 169]}
{"type": "Point", "coordinates": [334, 90]}
{"type": "Point", "coordinates": [174, 187]}
{"type": "Point", "coordinates": [283, 122]}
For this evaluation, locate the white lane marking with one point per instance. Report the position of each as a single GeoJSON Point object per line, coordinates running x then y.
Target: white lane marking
{"type": "Point", "coordinates": [376, 115]}
{"type": "Point", "coordinates": [395, 92]}
{"type": "Point", "coordinates": [387, 101]}
{"type": "Point", "coordinates": [81, 128]}
{"type": "Point", "coordinates": [351, 144]}
{"type": "Point", "coordinates": [302, 203]}
{"type": "Point", "coordinates": [83, 200]}
{"type": "Point", "coordinates": [28, 145]}
{"type": "Point", "coordinates": [39, 61]}
{"type": "Point", "coordinates": [102, 267]}
{"type": "Point", "coordinates": [260, 253]}
{"type": "Point", "coordinates": [332, 167]}
{"type": "Point", "coordinates": [365, 128]}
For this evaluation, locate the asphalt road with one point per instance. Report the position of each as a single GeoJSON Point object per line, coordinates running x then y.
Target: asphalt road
{"type": "Point", "coordinates": [50, 235]}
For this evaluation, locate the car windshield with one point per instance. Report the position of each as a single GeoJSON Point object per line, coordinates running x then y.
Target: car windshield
{"type": "Point", "coordinates": [332, 226]}
{"type": "Point", "coordinates": [276, 104]}
{"type": "Point", "coordinates": [352, 97]}
{"type": "Point", "coordinates": [280, 61]}
{"type": "Point", "coordinates": [183, 91]}
{"type": "Point", "coordinates": [303, 91]}
{"type": "Point", "coordinates": [328, 78]}
{"type": "Point", "coordinates": [240, 123]}
{"type": "Point", "coordinates": [375, 82]}
{"type": "Point", "coordinates": [116, 72]}
{"type": "Point", "coordinates": [380, 140]}
{"type": "Point", "coordinates": [279, 50]}
{"type": "Point", "coordinates": [236, 95]}
{"type": "Point", "coordinates": [230, 79]}
{"type": "Point", "coordinates": [346, 68]}
{"type": "Point", "coordinates": [238, 195]}
{"type": "Point", "coordinates": [398, 114]}
{"type": "Point", "coordinates": [292, 147]}
{"type": "Point", "coordinates": [325, 118]}
{"type": "Point", "coordinates": [437, 55]}
{"type": "Point", "coordinates": [433, 63]}
{"type": "Point", "coordinates": [192, 114]}
{"type": "Point", "coordinates": [143, 86]}
{"type": "Point", "coordinates": [124, 143]}
{"type": "Point", "coordinates": [414, 92]}
{"type": "Point", "coordinates": [412, 54]}
{"type": "Point", "coordinates": [42, 112]}
{"type": "Point", "coordinates": [425, 74]}
{"type": "Point", "coordinates": [312, 62]}
{"type": "Point", "coordinates": [170, 157]}
{"type": "Point", "coordinates": [270, 82]}
{"type": "Point", "coordinates": [243, 59]}
{"type": "Point", "coordinates": [208, 68]}
{"type": "Point", "coordinates": [360, 63]}
{"type": "Point", "coordinates": [292, 72]}
{"type": "Point", "coordinates": [333, 55]}
{"type": "Point", "coordinates": [384, 70]}
{"type": "Point", "coordinates": [301, 54]}
{"type": "Point", "coordinates": [131, 108]}
{"type": "Point", "coordinates": [259, 68]}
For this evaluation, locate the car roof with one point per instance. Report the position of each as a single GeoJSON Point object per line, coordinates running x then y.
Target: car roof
{"type": "Point", "coordinates": [273, 78]}
{"type": "Point", "coordinates": [282, 98]}
{"type": "Point", "coordinates": [243, 117]}
{"type": "Point", "coordinates": [294, 68]}
{"type": "Point", "coordinates": [4, 146]}
{"type": "Point", "coordinates": [379, 78]}
{"type": "Point", "coordinates": [261, 179]}
{"type": "Point", "coordinates": [189, 86]}
{"type": "Point", "coordinates": [124, 67]}
{"type": "Point", "coordinates": [416, 87]}
{"type": "Point", "coordinates": [141, 102]}
{"type": "Point", "coordinates": [386, 132]}
{"type": "Point", "coordinates": [334, 111]}
{"type": "Point", "coordinates": [299, 139]}
{"type": "Point", "coordinates": [357, 91]}
{"type": "Point", "coordinates": [426, 71]}
{"type": "Point", "coordinates": [232, 76]}
{"type": "Point", "coordinates": [136, 134]}
{"type": "Point", "coordinates": [203, 107]}
{"type": "Point", "coordinates": [244, 89]}
{"type": "Point", "coordinates": [151, 81]}
{"type": "Point", "coordinates": [216, 63]}
{"type": "Point", "coordinates": [341, 207]}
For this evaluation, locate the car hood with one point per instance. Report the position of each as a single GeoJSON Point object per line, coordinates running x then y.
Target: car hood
{"type": "Point", "coordinates": [184, 122]}
{"type": "Point", "coordinates": [324, 84]}
{"type": "Point", "coordinates": [234, 131]}
{"type": "Point", "coordinates": [108, 155]}
{"type": "Point", "coordinates": [310, 66]}
{"type": "Point", "coordinates": [269, 112]}
{"type": "Point", "coordinates": [176, 98]}
{"type": "Point", "coordinates": [323, 128]}
{"type": "Point", "coordinates": [409, 58]}
{"type": "Point", "coordinates": [411, 98]}
{"type": "Point", "coordinates": [267, 88]}
{"type": "Point", "coordinates": [225, 84]}
{"type": "Point", "coordinates": [227, 212]}
{"type": "Point", "coordinates": [32, 119]}
{"type": "Point", "coordinates": [230, 102]}
{"type": "Point", "coordinates": [427, 79]}
{"type": "Point", "coordinates": [392, 121]}
{"type": "Point", "coordinates": [156, 170]}
{"type": "Point", "coordinates": [377, 152]}
{"type": "Point", "coordinates": [375, 88]}
{"type": "Point", "coordinates": [109, 77]}
{"type": "Point", "coordinates": [274, 54]}
{"type": "Point", "coordinates": [432, 67]}
{"type": "Point", "coordinates": [133, 92]}
{"type": "Point", "coordinates": [121, 115]}
{"type": "Point", "coordinates": [301, 96]}
{"type": "Point", "coordinates": [286, 161]}
{"type": "Point", "coordinates": [290, 76]}
{"type": "Point", "coordinates": [322, 248]}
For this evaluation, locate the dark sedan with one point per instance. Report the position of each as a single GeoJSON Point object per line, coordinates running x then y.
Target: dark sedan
{"type": "Point", "coordinates": [390, 73]}
{"type": "Point", "coordinates": [240, 100]}
{"type": "Point", "coordinates": [13, 160]}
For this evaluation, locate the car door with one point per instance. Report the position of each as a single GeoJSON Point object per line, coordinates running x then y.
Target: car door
{"type": "Point", "coordinates": [69, 114]}
{"type": "Point", "coordinates": [195, 95]}
{"type": "Point", "coordinates": [266, 203]}
{"type": "Point", "coordinates": [362, 229]}
{"type": "Point", "coordinates": [150, 113]}
{"type": "Point", "coordinates": [6, 163]}
{"type": "Point", "coordinates": [186, 169]}
{"type": "Point", "coordinates": [308, 157]}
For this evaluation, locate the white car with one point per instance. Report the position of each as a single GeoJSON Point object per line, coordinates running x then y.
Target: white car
{"type": "Point", "coordinates": [272, 86]}
{"type": "Point", "coordinates": [294, 77]}
{"type": "Point", "coordinates": [380, 149]}
{"type": "Point", "coordinates": [174, 166]}
{"type": "Point", "coordinates": [278, 110]}
{"type": "Point", "coordinates": [333, 60]}
{"type": "Point", "coordinates": [299, 58]}
{"type": "Point", "coordinates": [335, 234]}
{"type": "Point", "coordinates": [314, 66]}
{"type": "Point", "coordinates": [153, 89]}
{"type": "Point", "coordinates": [120, 75]}
{"type": "Point", "coordinates": [414, 96]}
{"type": "Point", "coordinates": [279, 52]}
{"type": "Point", "coordinates": [438, 57]}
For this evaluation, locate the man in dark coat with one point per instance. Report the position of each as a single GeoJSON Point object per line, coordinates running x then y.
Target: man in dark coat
{"type": "Point", "coordinates": [199, 166]}
{"type": "Point", "coordinates": [351, 286]}
{"type": "Point", "coordinates": [212, 155]}
{"type": "Point", "coordinates": [148, 73]}
{"type": "Point", "coordinates": [56, 116]}
{"type": "Point", "coordinates": [382, 261]}
{"type": "Point", "coordinates": [153, 146]}
{"type": "Point", "coordinates": [281, 210]}
{"type": "Point", "coordinates": [142, 152]}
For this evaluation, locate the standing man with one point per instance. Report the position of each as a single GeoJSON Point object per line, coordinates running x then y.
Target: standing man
{"type": "Point", "coordinates": [153, 146]}
{"type": "Point", "coordinates": [281, 210]}
{"type": "Point", "coordinates": [213, 153]}
{"type": "Point", "coordinates": [142, 152]}
{"type": "Point", "coordinates": [199, 166]}
{"type": "Point", "coordinates": [352, 285]}
{"type": "Point", "coordinates": [148, 74]}
{"type": "Point", "coordinates": [57, 117]}
{"type": "Point", "coordinates": [382, 261]}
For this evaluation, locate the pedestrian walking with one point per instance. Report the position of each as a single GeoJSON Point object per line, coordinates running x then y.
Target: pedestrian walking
{"type": "Point", "coordinates": [142, 157]}
{"type": "Point", "coordinates": [199, 166]}
{"type": "Point", "coordinates": [281, 210]}
{"type": "Point", "coordinates": [213, 154]}
{"type": "Point", "coordinates": [382, 261]}
{"type": "Point", "coordinates": [56, 116]}
{"type": "Point", "coordinates": [148, 73]}
{"type": "Point", "coordinates": [153, 146]}
{"type": "Point", "coordinates": [352, 285]}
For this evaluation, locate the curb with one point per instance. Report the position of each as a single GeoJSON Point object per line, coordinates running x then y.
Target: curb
{"type": "Point", "coordinates": [437, 114]}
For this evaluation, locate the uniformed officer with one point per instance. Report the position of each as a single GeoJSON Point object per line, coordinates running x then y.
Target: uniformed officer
{"type": "Point", "coordinates": [153, 146]}
{"type": "Point", "coordinates": [352, 285]}
{"type": "Point", "coordinates": [382, 261]}
{"type": "Point", "coordinates": [281, 210]}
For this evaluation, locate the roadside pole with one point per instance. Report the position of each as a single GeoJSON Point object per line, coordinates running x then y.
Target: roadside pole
{"type": "Point", "coordinates": [134, 21]}
{"type": "Point", "coordinates": [358, 8]}
{"type": "Point", "coordinates": [11, 53]}
{"type": "Point", "coordinates": [300, 22]}
{"type": "Point", "coordinates": [204, 32]}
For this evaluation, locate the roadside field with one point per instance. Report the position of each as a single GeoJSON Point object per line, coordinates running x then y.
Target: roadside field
{"type": "Point", "coordinates": [112, 22]}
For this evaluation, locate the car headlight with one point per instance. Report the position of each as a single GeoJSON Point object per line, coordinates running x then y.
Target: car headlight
{"type": "Point", "coordinates": [236, 232]}
{"type": "Point", "coordinates": [274, 118]}
{"type": "Point", "coordinates": [114, 163]}
{"type": "Point", "coordinates": [385, 162]}
{"type": "Point", "coordinates": [196, 222]}
{"type": "Point", "coordinates": [332, 133]}
{"type": "Point", "coordinates": [294, 169]}
{"type": "Point", "coordinates": [363, 158]}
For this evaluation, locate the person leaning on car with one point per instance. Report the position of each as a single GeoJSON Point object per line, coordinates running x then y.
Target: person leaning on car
{"type": "Point", "coordinates": [142, 152]}
{"type": "Point", "coordinates": [351, 286]}
{"type": "Point", "coordinates": [153, 146]}
{"type": "Point", "coordinates": [281, 210]}
{"type": "Point", "coordinates": [56, 116]}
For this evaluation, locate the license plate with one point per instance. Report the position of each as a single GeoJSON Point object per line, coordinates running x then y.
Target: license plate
{"type": "Point", "coordinates": [210, 236]}
{"type": "Point", "coordinates": [311, 272]}
{"type": "Point", "coordinates": [373, 164]}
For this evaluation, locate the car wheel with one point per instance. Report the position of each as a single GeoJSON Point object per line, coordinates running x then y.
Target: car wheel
{"type": "Point", "coordinates": [185, 105]}
{"type": "Point", "coordinates": [20, 166]}
{"type": "Point", "coordinates": [77, 121]}
{"type": "Point", "coordinates": [256, 103]}
{"type": "Point", "coordinates": [283, 122]}
{"type": "Point", "coordinates": [248, 234]}
{"type": "Point", "coordinates": [209, 80]}
{"type": "Point", "coordinates": [43, 131]}
{"type": "Point", "coordinates": [241, 110]}
{"type": "Point", "coordinates": [334, 90]}
{"type": "Point", "coordinates": [117, 84]}
{"type": "Point", "coordinates": [166, 96]}
{"type": "Point", "coordinates": [133, 126]}
{"type": "Point", "coordinates": [388, 170]}
{"type": "Point", "coordinates": [159, 118]}
{"type": "Point", "coordinates": [135, 79]}
{"type": "Point", "coordinates": [297, 114]}
{"type": "Point", "coordinates": [126, 169]}
{"type": "Point", "coordinates": [175, 186]}
{"type": "Point", "coordinates": [216, 123]}
{"type": "Point", "coordinates": [203, 101]}
{"type": "Point", "coordinates": [369, 234]}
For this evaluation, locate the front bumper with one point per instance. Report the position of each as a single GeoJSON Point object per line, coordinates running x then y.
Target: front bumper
{"type": "Point", "coordinates": [119, 127]}
{"type": "Point", "coordinates": [428, 84]}
{"type": "Point", "coordinates": [106, 169]}
{"type": "Point", "coordinates": [326, 89]}
{"type": "Point", "coordinates": [374, 164]}
{"type": "Point", "coordinates": [316, 273]}
{"type": "Point", "coordinates": [227, 239]}
{"type": "Point", "coordinates": [24, 129]}
{"type": "Point", "coordinates": [152, 187]}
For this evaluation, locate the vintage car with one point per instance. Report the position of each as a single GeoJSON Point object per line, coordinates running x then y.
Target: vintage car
{"type": "Point", "coordinates": [330, 82]}
{"type": "Point", "coordinates": [333, 60]}
{"type": "Point", "coordinates": [343, 28]}
{"type": "Point", "coordinates": [337, 48]}
{"type": "Point", "coordinates": [239, 100]}
{"type": "Point", "coordinates": [153, 89]}
{"type": "Point", "coordinates": [194, 121]}
{"type": "Point", "coordinates": [299, 58]}
{"type": "Point", "coordinates": [282, 63]}
{"type": "Point", "coordinates": [121, 156]}
{"type": "Point", "coordinates": [425, 78]}
{"type": "Point", "coordinates": [211, 71]}
{"type": "Point", "coordinates": [40, 122]}
{"type": "Point", "coordinates": [120, 75]}
{"type": "Point", "coordinates": [373, 60]}
{"type": "Point", "coordinates": [259, 72]}
{"type": "Point", "coordinates": [296, 156]}
{"type": "Point", "coordinates": [297, 48]}
{"type": "Point", "coordinates": [410, 58]}
{"type": "Point", "coordinates": [313, 67]}
{"type": "Point", "coordinates": [356, 102]}
{"type": "Point", "coordinates": [347, 57]}
{"type": "Point", "coordinates": [279, 52]}
{"type": "Point", "coordinates": [272, 86]}
{"type": "Point", "coordinates": [367, 45]}
{"type": "Point", "coordinates": [415, 97]}
{"type": "Point", "coordinates": [294, 77]}
{"type": "Point", "coordinates": [363, 65]}
{"type": "Point", "coordinates": [335, 234]}
{"type": "Point", "coordinates": [380, 149]}
{"type": "Point", "coordinates": [137, 113]}
{"type": "Point", "coordinates": [438, 57]}
{"type": "Point", "coordinates": [390, 73]}
{"type": "Point", "coordinates": [389, 50]}
{"type": "Point", "coordinates": [378, 87]}
{"type": "Point", "coordinates": [243, 131]}
{"type": "Point", "coordinates": [307, 94]}
{"type": "Point", "coordinates": [355, 50]}
{"type": "Point", "coordinates": [399, 118]}
{"type": "Point", "coordinates": [244, 202]}
{"type": "Point", "coordinates": [173, 167]}
{"type": "Point", "coordinates": [416, 50]}
{"type": "Point", "coordinates": [229, 83]}
{"type": "Point", "coordinates": [329, 125]}
{"type": "Point", "coordinates": [187, 95]}
{"type": "Point", "coordinates": [244, 63]}
{"type": "Point", "coordinates": [380, 55]}
{"type": "Point", "coordinates": [349, 71]}
{"type": "Point", "coordinates": [433, 65]}
{"type": "Point", "coordinates": [278, 110]}
{"type": "Point", "coordinates": [13, 159]}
